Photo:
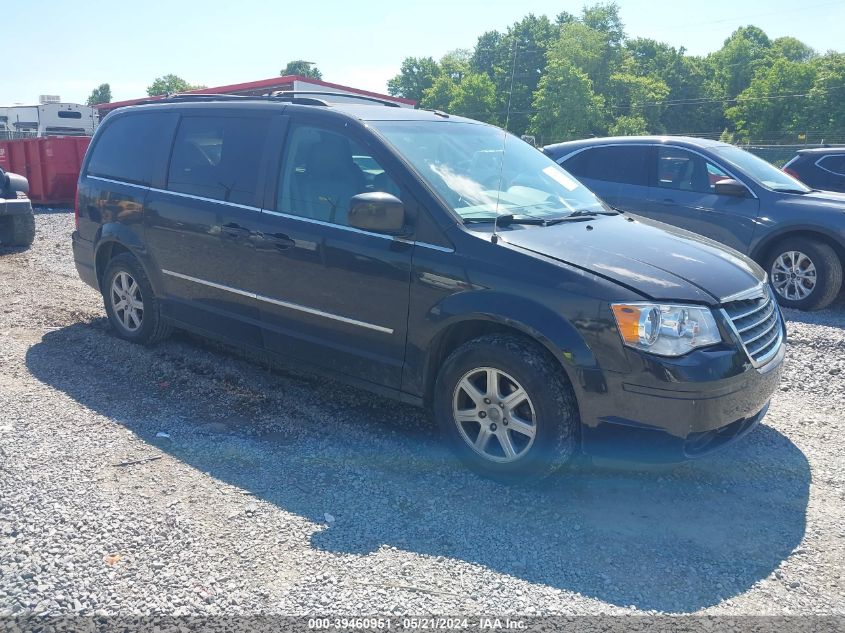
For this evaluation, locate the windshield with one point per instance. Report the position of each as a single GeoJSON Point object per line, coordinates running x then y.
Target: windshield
{"type": "Point", "coordinates": [763, 172]}
{"type": "Point", "coordinates": [463, 163]}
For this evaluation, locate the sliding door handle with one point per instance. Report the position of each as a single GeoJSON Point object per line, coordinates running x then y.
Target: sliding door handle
{"type": "Point", "coordinates": [280, 240]}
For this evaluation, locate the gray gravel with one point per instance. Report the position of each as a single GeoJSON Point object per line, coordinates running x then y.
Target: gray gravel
{"type": "Point", "coordinates": [281, 493]}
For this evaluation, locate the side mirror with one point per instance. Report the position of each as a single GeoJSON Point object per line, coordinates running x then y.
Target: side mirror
{"type": "Point", "coordinates": [731, 187]}
{"type": "Point", "coordinates": [377, 211]}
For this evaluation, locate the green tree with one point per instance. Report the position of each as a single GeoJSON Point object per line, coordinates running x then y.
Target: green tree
{"type": "Point", "coordinates": [824, 107]}
{"type": "Point", "coordinates": [628, 125]}
{"type": "Point", "coordinates": [515, 61]}
{"type": "Point", "coordinates": [792, 49]}
{"type": "Point", "coordinates": [302, 68]}
{"type": "Point", "coordinates": [475, 97]}
{"type": "Point", "coordinates": [416, 75]}
{"type": "Point", "coordinates": [565, 106]}
{"type": "Point", "coordinates": [456, 64]}
{"type": "Point", "coordinates": [742, 54]}
{"type": "Point", "coordinates": [170, 84]}
{"type": "Point", "coordinates": [589, 50]}
{"type": "Point", "coordinates": [762, 111]}
{"type": "Point", "coordinates": [690, 109]}
{"type": "Point", "coordinates": [604, 18]}
{"type": "Point", "coordinates": [640, 97]}
{"type": "Point", "coordinates": [440, 95]}
{"type": "Point", "coordinates": [100, 94]}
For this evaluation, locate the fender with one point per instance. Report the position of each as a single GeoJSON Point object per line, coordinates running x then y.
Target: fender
{"type": "Point", "coordinates": [536, 320]}
{"type": "Point", "coordinates": [759, 249]}
{"type": "Point", "coordinates": [127, 236]}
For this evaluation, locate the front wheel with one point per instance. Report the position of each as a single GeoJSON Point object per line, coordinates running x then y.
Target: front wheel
{"type": "Point", "coordinates": [804, 273]}
{"type": "Point", "coordinates": [506, 408]}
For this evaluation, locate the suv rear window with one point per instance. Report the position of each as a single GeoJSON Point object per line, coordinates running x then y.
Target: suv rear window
{"type": "Point", "coordinates": [130, 147]}
{"type": "Point", "coordinates": [834, 164]}
{"type": "Point", "coordinates": [218, 157]}
{"type": "Point", "coordinates": [626, 164]}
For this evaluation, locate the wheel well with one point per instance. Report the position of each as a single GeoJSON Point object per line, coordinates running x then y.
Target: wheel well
{"type": "Point", "coordinates": [765, 251]}
{"type": "Point", "coordinates": [105, 254]}
{"type": "Point", "coordinates": [458, 334]}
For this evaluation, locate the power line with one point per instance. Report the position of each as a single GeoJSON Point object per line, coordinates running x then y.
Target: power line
{"type": "Point", "coordinates": [733, 18]}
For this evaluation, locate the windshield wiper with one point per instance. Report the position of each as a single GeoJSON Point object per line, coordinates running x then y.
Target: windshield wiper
{"type": "Point", "coordinates": [506, 219]}
{"type": "Point", "coordinates": [584, 213]}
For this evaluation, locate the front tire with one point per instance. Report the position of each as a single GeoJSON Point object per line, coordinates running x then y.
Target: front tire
{"type": "Point", "coordinates": [131, 305]}
{"type": "Point", "coordinates": [805, 274]}
{"type": "Point", "coordinates": [507, 409]}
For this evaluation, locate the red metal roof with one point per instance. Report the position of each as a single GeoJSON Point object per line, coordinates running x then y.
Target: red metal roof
{"type": "Point", "coordinates": [284, 82]}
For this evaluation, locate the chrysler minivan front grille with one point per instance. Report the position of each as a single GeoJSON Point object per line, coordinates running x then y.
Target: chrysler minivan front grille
{"type": "Point", "coordinates": [757, 322]}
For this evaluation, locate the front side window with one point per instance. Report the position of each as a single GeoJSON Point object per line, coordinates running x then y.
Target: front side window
{"type": "Point", "coordinates": [682, 170]}
{"type": "Point", "coordinates": [761, 171]}
{"type": "Point", "coordinates": [322, 170]}
{"type": "Point", "coordinates": [218, 157]}
{"type": "Point", "coordinates": [480, 172]}
{"type": "Point", "coordinates": [130, 146]}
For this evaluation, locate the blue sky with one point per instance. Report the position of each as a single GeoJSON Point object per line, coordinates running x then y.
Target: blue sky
{"type": "Point", "coordinates": [74, 46]}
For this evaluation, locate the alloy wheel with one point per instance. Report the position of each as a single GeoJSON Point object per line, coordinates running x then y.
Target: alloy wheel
{"type": "Point", "coordinates": [494, 414]}
{"type": "Point", "coordinates": [127, 302]}
{"type": "Point", "coordinates": [793, 275]}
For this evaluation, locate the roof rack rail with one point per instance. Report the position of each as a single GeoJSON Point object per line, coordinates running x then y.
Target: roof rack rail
{"type": "Point", "coordinates": [288, 95]}
{"type": "Point", "coordinates": [185, 97]}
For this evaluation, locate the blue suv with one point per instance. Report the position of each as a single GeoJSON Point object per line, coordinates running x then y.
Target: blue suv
{"type": "Point", "coordinates": [797, 234]}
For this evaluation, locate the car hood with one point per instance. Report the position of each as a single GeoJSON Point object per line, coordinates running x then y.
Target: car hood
{"type": "Point", "coordinates": [651, 258]}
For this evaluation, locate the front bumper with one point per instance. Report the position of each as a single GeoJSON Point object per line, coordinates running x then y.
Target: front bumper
{"type": "Point", "coordinates": [676, 409]}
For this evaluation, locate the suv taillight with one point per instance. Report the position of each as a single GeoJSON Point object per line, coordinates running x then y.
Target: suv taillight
{"type": "Point", "coordinates": [791, 172]}
{"type": "Point", "coordinates": [76, 208]}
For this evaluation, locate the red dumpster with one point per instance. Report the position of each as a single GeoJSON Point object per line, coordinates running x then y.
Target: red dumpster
{"type": "Point", "coordinates": [51, 164]}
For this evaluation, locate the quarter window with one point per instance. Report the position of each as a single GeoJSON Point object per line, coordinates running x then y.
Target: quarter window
{"type": "Point", "coordinates": [218, 157]}
{"type": "Point", "coordinates": [620, 164]}
{"type": "Point", "coordinates": [322, 170]}
{"type": "Point", "coordinates": [130, 146]}
{"type": "Point", "coordinates": [833, 164]}
{"type": "Point", "coordinates": [685, 171]}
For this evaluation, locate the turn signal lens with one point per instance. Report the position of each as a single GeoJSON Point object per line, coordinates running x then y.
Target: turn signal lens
{"type": "Point", "coordinates": [666, 330]}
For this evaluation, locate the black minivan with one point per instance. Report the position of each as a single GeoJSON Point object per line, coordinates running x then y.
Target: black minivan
{"type": "Point", "coordinates": [433, 259]}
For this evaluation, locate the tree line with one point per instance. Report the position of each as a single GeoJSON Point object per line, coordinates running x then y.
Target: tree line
{"type": "Point", "coordinates": [578, 76]}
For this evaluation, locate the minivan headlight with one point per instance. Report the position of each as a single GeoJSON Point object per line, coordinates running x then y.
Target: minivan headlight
{"type": "Point", "coordinates": [666, 330]}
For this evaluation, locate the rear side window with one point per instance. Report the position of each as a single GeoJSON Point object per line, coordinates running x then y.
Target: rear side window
{"type": "Point", "coordinates": [218, 157]}
{"type": "Point", "coordinates": [621, 164]}
{"type": "Point", "coordinates": [833, 164]}
{"type": "Point", "coordinates": [131, 148]}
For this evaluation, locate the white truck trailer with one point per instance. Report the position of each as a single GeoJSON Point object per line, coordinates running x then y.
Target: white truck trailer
{"type": "Point", "coordinates": [47, 119]}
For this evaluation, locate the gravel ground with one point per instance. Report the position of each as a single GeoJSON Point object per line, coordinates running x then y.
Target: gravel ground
{"type": "Point", "coordinates": [280, 493]}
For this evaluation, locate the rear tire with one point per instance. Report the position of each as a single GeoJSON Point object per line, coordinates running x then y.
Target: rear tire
{"type": "Point", "coordinates": [805, 274]}
{"type": "Point", "coordinates": [17, 230]}
{"type": "Point", "coordinates": [506, 409]}
{"type": "Point", "coordinates": [131, 305]}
